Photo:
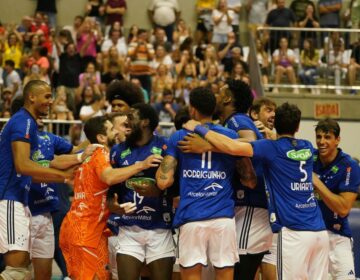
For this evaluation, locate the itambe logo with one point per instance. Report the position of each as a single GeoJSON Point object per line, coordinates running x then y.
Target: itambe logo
{"type": "Point", "coordinates": [300, 155]}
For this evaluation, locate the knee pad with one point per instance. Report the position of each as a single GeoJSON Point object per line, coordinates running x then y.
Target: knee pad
{"type": "Point", "coordinates": [16, 273]}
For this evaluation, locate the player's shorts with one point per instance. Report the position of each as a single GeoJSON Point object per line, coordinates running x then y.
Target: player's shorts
{"type": "Point", "coordinates": [341, 258]}
{"type": "Point", "coordinates": [271, 257]}
{"type": "Point", "coordinates": [145, 244]}
{"type": "Point", "coordinates": [253, 230]}
{"type": "Point", "coordinates": [112, 245]}
{"type": "Point", "coordinates": [14, 226]}
{"type": "Point", "coordinates": [42, 243]}
{"type": "Point", "coordinates": [211, 239]}
{"type": "Point", "coordinates": [303, 253]}
{"type": "Point", "coordinates": [83, 263]}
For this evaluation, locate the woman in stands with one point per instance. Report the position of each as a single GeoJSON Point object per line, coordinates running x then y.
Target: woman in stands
{"type": "Point", "coordinates": [309, 59]}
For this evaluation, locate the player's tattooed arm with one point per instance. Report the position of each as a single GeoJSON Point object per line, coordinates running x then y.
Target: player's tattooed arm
{"type": "Point", "coordinates": [246, 172]}
{"type": "Point", "coordinates": [165, 173]}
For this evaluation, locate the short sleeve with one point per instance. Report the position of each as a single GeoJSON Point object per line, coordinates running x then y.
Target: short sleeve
{"type": "Point", "coordinates": [61, 145]}
{"type": "Point", "coordinates": [172, 149]}
{"type": "Point", "coordinates": [351, 180]}
{"type": "Point", "coordinates": [102, 161]}
{"type": "Point", "coordinates": [23, 130]}
{"type": "Point", "coordinates": [263, 150]}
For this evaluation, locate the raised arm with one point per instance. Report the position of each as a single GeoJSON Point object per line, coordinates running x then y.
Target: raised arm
{"type": "Point", "coordinates": [165, 173]}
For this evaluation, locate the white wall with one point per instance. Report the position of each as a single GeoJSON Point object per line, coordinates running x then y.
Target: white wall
{"type": "Point", "coordinates": [350, 135]}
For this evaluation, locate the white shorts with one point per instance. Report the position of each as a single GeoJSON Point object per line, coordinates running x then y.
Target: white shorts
{"type": "Point", "coordinates": [145, 244]}
{"type": "Point", "coordinates": [14, 226]}
{"type": "Point", "coordinates": [341, 258]}
{"type": "Point", "coordinates": [303, 254]}
{"type": "Point", "coordinates": [211, 239]}
{"type": "Point", "coordinates": [112, 245]}
{"type": "Point", "coordinates": [271, 258]}
{"type": "Point", "coordinates": [42, 243]}
{"type": "Point", "coordinates": [253, 230]}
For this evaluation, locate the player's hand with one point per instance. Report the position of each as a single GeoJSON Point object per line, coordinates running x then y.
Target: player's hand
{"type": "Point", "coordinates": [88, 151]}
{"type": "Point", "coordinates": [190, 125]}
{"type": "Point", "coordinates": [193, 143]}
{"type": "Point", "coordinates": [126, 208]}
{"type": "Point", "coordinates": [152, 161]}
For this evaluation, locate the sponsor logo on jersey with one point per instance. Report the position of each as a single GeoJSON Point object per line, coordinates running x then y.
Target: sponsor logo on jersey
{"type": "Point", "coordinates": [348, 173]}
{"type": "Point", "coordinates": [125, 153]}
{"type": "Point", "coordinates": [125, 162]}
{"type": "Point", "coordinates": [156, 150]}
{"type": "Point", "coordinates": [213, 187]}
{"type": "Point", "coordinates": [300, 155]}
{"type": "Point", "coordinates": [28, 124]}
{"type": "Point", "coordinates": [146, 210]}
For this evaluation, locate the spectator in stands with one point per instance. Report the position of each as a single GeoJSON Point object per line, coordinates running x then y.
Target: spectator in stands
{"type": "Point", "coordinates": [299, 8]}
{"type": "Point", "coordinates": [161, 57]}
{"type": "Point", "coordinates": [185, 59]}
{"type": "Point", "coordinates": [6, 98]}
{"type": "Point", "coordinates": [354, 67]}
{"type": "Point", "coordinates": [186, 81]}
{"type": "Point", "coordinates": [235, 6]}
{"type": "Point", "coordinates": [229, 52]}
{"type": "Point", "coordinates": [34, 74]}
{"type": "Point", "coordinates": [211, 76]}
{"type": "Point", "coordinates": [78, 20]}
{"type": "Point", "coordinates": [329, 12]}
{"type": "Point", "coordinates": [87, 97]}
{"type": "Point", "coordinates": [351, 19]}
{"type": "Point", "coordinates": [115, 11]}
{"type": "Point", "coordinates": [42, 60]}
{"type": "Point", "coordinates": [12, 79]}
{"type": "Point", "coordinates": [133, 32]}
{"type": "Point", "coordinates": [336, 64]}
{"type": "Point", "coordinates": [182, 31]}
{"type": "Point", "coordinates": [137, 83]}
{"type": "Point", "coordinates": [162, 80]}
{"type": "Point", "coordinates": [222, 18]}
{"type": "Point", "coordinates": [160, 38]}
{"type": "Point", "coordinates": [115, 39]}
{"type": "Point", "coordinates": [329, 42]}
{"type": "Point", "coordinates": [89, 34]}
{"type": "Point", "coordinates": [238, 72]}
{"type": "Point", "coordinates": [69, 71]}
{"type": "Point", "coordinates": [141, 53]}
{"type": "Point", "coordinates": [309, 20]}
{"type": "Point", "coordinates": [48, 8]}
{"type": "Point", "coordinates": [113, 73]}
{"type": "Point", "coordinates": [279, 17]}
{"type": "Point", "coordinates": [309, 60]}
{"type": "Point", "coordinates": [95, 9]}
{"type": "Point", "coordinates": [11, 49]}
{"type": "Point", "coordinates": [60, 110]}
{"type": "Point", "coordinates": [256, 14]}
{"type": "Point", "coordinates": [122, 95]}
{"type": "Point", "coordinates": [164, 13]}
{"type": "Point", "coordinates": [90, 76]}
{"type": "Point", "coordinates": [204, 9]}
{"type": "Point", "coordinates": [112, 57]}
{"type": "Point", "coordinates": [284, 61]}
{"type": "Point", "coordinates": [38, 24]}
{"type": "Point", "coordinates": [95, 109]}
{"type": "Point", "coordinates": [263, 60]}
{"type": "Point", "coordinates": [210, 58]}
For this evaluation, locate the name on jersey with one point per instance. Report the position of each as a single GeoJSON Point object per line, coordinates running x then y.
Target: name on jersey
{"type": "Point", "coordinates": [300, 155]}
{"type": "Point", "coordinates": [79, 195]}
{"type": "Point", "coordinates": [203, 174]}
{"type": "Point", "coordinates": [306, 186]}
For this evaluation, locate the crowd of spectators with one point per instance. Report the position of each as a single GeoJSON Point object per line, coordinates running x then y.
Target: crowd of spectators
{"type": "Point", "coordinates": [166, 62]}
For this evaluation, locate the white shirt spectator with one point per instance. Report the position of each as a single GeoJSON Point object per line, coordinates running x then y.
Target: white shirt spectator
{"type": "Point", "coordinates": [223, 27]}
{"type": "Point", "coordinates": [13, 79]}
{"type": "Point", "coordinates": [164, 11]}
{"type": "Point", "coordinates": [120, 46]}
{"type": "Point", "coordinates": [258, 11]}
{"type": "Point", "coordinates": [233, 4]}
{"type": "Point", "coordinates": [166, 61]}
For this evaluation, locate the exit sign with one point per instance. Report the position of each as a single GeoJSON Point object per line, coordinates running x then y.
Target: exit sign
{"type": "Point", "coordinates": [327, 109]}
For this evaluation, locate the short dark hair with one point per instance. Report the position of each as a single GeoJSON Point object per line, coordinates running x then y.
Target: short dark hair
{"type": "Point", "coordinates": [203, 100]}
{"type": "Point", "coordinates": [95, 126]}
{"type": "Point", "coordinates": [10, 63]}
{"type": "Point", "coordinates": [33, 85]}
{"type": "Point", "coordinates": [287, 119]}
{"type": "Point", "coordinates": [147, 112]}
{"type": "Point", "coordinates": [124, 90]}
{"type": "Point", "coordinates": [181, 117]}
{"type": "Point", "coordinates": [261, 101]}
{"type": "Point", "coordinates": [242, 95]}
{"type": "Point", "coordinates": [16, 105]}
{"type": "Point", "coordinates": [328, 125]}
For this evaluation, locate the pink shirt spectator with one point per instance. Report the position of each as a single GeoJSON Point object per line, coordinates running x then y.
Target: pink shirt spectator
{"type": "Point", "coordinates": [91, 49]}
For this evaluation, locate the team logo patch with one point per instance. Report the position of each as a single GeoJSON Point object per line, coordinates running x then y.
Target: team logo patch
{"type": "Point", "coordinates": [156, 151]}
{"type": "Point", "coordinates": [334, 169]}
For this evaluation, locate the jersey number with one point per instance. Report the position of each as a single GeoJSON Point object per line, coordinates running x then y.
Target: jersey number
{"type": "Point", "coordinates": [205, 164]}
{"type": "Point", "coordinates": [303, 171]}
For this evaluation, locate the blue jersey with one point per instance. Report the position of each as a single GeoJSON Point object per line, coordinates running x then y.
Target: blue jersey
{"type": "Point", "coordinates": [245, 196]}
{"type": "Point", "coordinates": [152, 212]}
{"type": "Point", "coordinates": [288, 167]}
{"type": "Point", "coordinates": [342, 175]}
{"type": "Point", "coordinates": [205, 181]}
{"type": "Point", "coordinates": [113, 223]}
{"type": "Point", "coordinates": [43, 196]}
{"type": "Point", "coordinates": [21, 127]}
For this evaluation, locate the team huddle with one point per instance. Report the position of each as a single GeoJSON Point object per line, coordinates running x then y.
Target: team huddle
{"type": "Point", "coordinates": [240, 197]}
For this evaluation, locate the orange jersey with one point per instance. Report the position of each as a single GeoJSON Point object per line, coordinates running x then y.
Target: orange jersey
{"type": "Point", "coordinates": [85, 222]}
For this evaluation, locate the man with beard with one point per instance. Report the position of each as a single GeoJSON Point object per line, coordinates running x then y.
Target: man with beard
{"type": "Point", "coordinates": [145, 236]}
{"type": "Point", "coordinates": [252, 223]}
{"type": "Point", "coordinates": [336, 191]}
{"type": "Point", "coordinates": [18, 141]}
{"type": "Point", "coordinates": [82, 238]}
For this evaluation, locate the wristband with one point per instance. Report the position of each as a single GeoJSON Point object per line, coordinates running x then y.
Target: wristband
{"type": "Point", "coordinates": [79, 155]}
{"type": "Point", "coordinates": [201, 130]}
